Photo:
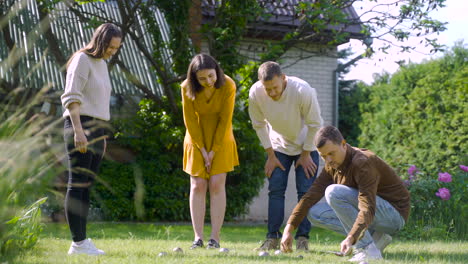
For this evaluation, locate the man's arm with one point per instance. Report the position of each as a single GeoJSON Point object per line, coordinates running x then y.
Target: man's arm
{"type": "Point", "coordinates": [310, 198]}
{"type": "Point", "coordinates": [310, 110]}
{"type": "Point", "coordinates": [259, 122]}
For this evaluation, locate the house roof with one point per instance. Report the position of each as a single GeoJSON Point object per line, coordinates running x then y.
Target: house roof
{"type": "Point", "coordinates": [284, 18]}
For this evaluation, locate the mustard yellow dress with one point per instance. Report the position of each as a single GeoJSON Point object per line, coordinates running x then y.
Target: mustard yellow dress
{"type": "Point", "coordinates": [209, 125]}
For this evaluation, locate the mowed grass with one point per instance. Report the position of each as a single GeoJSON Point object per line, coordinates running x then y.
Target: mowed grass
{"type": "Point", "coordinates": [142, 242]}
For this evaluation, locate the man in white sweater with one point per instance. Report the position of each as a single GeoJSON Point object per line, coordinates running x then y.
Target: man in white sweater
{"type": "Point", "coordinates": [286, 115]}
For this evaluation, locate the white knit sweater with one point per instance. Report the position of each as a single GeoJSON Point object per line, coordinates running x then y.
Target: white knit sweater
{"type": "Point", "coordinates": [289, 124]}
{"type": "Point", "coordinates": [89, 85]}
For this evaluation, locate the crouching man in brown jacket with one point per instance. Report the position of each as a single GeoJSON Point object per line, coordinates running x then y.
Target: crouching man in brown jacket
{"type": "Point", "coordinates": [357, 194]}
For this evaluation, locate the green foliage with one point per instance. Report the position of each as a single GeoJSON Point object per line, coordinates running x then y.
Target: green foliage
{"type": "Point", "coordinates": [22, 231]}
{"type": "Point", "coordinates": [26, 164]}
{"type": "Point", "coordinates": [227, 30]}
{"type": "Point", "coordinates": [154, 187]}
{"type": "Point", "coordinates": [349, 118]}
{"type": "Point", "coordinates": [432, 217]}
{"type": "Point", "coordinates": [155, 175]}
{"type": "Point", "coordinates": [421, 110]}
{"type": "Point", "coordinates": [179, 31]}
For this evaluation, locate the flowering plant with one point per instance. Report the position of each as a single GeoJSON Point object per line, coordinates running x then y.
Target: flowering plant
{"type": "Point", "coordinates": [443, 193]}
{"type": "Point", "coordinates": [439, 202]}
{"type": "Point", "coordinates": [445, 177]}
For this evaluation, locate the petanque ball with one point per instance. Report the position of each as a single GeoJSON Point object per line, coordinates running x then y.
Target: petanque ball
{"type": "Point", "coordinates": [263, 254]}
{"type": "Point", "coordinates": [300, 257]}
{"type": "Point", "coordinates": [162, 254]}
{"type": "Point", "coordinates": [177, 250]}
{"type": "Point", "coordinates": [223, 250]}
{"type": "Point", "coordinates": [278, 252]}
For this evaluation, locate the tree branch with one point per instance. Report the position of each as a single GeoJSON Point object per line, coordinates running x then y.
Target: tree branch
{"type": "Point", "coordinates": [134, 80]}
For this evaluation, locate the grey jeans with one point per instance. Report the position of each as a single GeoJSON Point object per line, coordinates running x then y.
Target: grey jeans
{"type": "Point", "coordinates": [338, 210]}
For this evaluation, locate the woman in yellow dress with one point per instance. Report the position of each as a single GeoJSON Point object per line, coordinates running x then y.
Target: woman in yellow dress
{"type": "Point", "coordinates": [210, 149]}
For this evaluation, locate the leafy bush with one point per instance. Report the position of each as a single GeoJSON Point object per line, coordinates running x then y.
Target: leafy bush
{"type": "Point", "coordinates": [439, 204]}
{"type": "Point", "coordinates": [26, 165]}
{"type": "Point", "coordinates": [418, 116]}
{"type": "Point", "coordinates": [153, 186]}
{"type": "Point", "coordinates": [22, 231]}
{"type": "Point", "coordinates": [349, 117]}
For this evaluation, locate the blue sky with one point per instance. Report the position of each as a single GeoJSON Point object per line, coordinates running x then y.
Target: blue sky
{"type": "Point", "coordinates": [455, 13]}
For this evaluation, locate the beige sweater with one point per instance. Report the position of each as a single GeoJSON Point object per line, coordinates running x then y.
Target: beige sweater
{"type": "Point", "coordinates": [89, 85]}
{"type": "Point", "coordinates": [289, 124]}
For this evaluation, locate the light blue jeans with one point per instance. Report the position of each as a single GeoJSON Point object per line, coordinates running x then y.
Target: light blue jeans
{"type": "Point", "coordinates": [338, 210]}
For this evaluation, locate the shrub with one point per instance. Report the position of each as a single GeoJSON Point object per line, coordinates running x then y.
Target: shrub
{"type": "Point", "coordinates": [439, 205]}
{"type": "Point", "coordinates": [153, 186]}
{"type": "Point", "coordinates": [418, 112]}
{"type": "Point", "coordinates": [22, 231]}
{"type": "Point", "coordinates": [26, 165]}
{"type": "Point", "coordinates": [349, 117]}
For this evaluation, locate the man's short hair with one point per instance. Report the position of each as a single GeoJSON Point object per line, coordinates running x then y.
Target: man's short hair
{"type": "Point", "coordinates": [328, 133]}
{"type": "Point", "coordinates": [268, 70]}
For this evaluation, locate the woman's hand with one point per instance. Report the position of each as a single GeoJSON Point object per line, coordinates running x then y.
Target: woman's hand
{"type": "Point", "coordinates": [81, 142]}
{"type": "Point", "coordinates": [207, 158]}
{"type": "Point", "coordinates": [210, 161]}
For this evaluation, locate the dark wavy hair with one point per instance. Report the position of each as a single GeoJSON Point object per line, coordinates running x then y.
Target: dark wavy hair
{"type": "Point", "coordinates": [100, 41]}
{"type": "Point", "coordinates": [202, 62]}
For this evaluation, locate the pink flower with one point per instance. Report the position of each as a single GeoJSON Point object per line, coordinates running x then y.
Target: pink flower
{"type": "Point", "coordinates": [412, 170]}
{"type": "Point", "coordinates": [443, 193]}
{"type": "Point", "coordinates": [445, 177]}
{"type": "Point", "coordinates": [464, 168]}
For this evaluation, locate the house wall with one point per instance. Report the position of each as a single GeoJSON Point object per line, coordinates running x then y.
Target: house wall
{"type": "Point", "coordinates": [315, 65]}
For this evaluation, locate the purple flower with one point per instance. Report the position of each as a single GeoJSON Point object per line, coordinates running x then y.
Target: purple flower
{"type": "Point", "coordinates": [445, 177]}
{"type": "Point", "coordinates": [464, 168]}
{"type": "Point", "coordinates": [443, 193]}
{"type": "Point", "coordinates": [407, 183]}
{"type": "Point", "coordinates": [412, 170]}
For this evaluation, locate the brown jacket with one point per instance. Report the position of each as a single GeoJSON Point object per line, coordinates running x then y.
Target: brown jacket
{"type": "Point", "coordinates": [371, 176]}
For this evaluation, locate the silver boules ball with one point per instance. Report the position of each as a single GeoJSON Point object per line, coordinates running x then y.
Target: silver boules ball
{"type": "Point", "coordinates": [223, 250]}
{"type": "Point", "coordinates": [178, 250]}
{"type": "Point", "coordinates": [263, 254]}
{"type": "Point", "coordinates": [278, 252]}
{"type": "Point", "coordinates": [300, 257]}
{"type": "Point", "coordinates": [162, 254]}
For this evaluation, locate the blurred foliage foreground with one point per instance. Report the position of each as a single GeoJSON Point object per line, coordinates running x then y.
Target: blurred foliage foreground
{"type": "Point", "coordinates": [27, 164]}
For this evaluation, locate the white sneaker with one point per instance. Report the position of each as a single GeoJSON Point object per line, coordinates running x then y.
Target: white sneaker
{"type": "Point", "coordinates": [365, 254]}
{"type": "Point", "coordinates": [86, 247]}
{"type": "Point", "coordinates": [381, 240]}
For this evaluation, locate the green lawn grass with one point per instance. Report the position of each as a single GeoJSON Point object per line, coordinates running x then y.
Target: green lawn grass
{"type": "Point", "coordinates": [141, 243]}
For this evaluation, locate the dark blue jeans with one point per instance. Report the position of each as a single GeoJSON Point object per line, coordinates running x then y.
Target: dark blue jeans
{"type": "Point", "coordinates": [277, 188]}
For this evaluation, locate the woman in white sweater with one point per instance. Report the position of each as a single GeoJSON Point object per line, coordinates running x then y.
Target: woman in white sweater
{"type": "Point", "coordinates": [86, 102]}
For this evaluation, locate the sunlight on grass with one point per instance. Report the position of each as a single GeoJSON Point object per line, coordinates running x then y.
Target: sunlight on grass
{"type": "Point", "coordinates": [141, 243]}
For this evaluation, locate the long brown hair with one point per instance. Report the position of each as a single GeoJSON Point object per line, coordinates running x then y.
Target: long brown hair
{"type": "Point", "coordinates": [202, 62]}
{"type": "Point", "coordinates": [100, 41]}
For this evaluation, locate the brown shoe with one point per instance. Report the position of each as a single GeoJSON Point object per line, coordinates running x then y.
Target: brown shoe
{"type": "Point", "coordinates": [302, 243]}
{"type": "Point", "coordinates": [269, 244]}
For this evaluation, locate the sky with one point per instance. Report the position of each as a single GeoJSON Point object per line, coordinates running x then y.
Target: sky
{"type": "Point", "coordinates": [454, 12]}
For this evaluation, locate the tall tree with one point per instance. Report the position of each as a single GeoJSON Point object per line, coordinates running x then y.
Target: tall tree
{"type": "Point", "coordinates": [322, 21]}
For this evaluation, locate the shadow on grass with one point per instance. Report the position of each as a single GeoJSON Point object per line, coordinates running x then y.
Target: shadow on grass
{"type": "Point", "coordinates": [234, 233]}
{"type": "Point", "coordinates": [424, 256]}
